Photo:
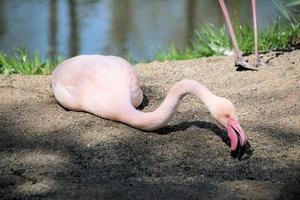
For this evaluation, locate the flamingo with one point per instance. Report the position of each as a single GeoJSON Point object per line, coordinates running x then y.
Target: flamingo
{"type": "Point", "coordinates": [107, 86]}
{"type": "Point", "coordinates": [239, 60]}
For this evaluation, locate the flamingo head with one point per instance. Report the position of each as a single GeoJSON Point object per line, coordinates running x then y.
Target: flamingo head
{"type": "Point", "coordinates": [224, 112]}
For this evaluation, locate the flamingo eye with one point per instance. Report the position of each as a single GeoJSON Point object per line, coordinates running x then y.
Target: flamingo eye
{"type": "Point", "coordinates": [227, 115]}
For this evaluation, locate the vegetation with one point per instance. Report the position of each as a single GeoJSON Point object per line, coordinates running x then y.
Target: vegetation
{"type": "Point", "coordinates": [21, 63]}
{"type": "Point", "coordinates": [211, 41]}
{"type": "Point", "coordinates": [208, 41]}
{"type": "Point", "coordinates": [286, 8]}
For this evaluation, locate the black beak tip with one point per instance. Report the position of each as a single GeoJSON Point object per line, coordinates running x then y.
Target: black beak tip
{"type": "Point", "coordinates": [242, 152]}
{"type": "Point", "coordinates": [234, 153]}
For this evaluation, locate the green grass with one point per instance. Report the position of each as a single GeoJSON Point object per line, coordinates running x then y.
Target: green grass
{"type": "Point", "coordinates": [208, 41]}
{"type": "Point", "coordinates": [22, 63]}
{"type": "Point", "coordinates": [285, 8]}
{"type": "Point", "coordinates": [211, 41]}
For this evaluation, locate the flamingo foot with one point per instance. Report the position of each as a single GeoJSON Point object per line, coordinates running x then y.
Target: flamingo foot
{"type": "Point", "coordinates": [258, 63]}
{"type": "Point", "coordinates": [240, 62]}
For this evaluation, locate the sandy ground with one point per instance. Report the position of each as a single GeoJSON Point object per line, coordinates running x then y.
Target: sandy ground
{"type": "Point", "coordinates": [47, 152]}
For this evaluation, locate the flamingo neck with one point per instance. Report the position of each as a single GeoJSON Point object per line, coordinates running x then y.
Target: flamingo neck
{"type": "Point", "coordinates": [162, 115]}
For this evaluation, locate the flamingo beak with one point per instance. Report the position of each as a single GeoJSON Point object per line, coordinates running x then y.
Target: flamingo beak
{"type": "Point", "coordinates": [237, 138]}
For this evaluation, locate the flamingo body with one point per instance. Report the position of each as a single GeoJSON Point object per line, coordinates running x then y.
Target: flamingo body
{"type": "Point", "coordinates": [101, 85]}
{"type": "Point", "coordinates": [108, 87]}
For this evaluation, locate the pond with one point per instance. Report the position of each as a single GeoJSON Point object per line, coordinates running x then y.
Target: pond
{"type": "Point", "coordinates": [134, 28]}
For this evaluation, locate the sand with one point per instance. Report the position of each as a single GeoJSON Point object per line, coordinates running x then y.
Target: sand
{"type": "Point", "coordinates": [47, 152]}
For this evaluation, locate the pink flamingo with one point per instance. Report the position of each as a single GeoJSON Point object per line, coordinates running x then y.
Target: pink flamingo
{"type": "Point", "coordinates": [240, 61]}
{"type": "Point", "coordinates": [107, 86]}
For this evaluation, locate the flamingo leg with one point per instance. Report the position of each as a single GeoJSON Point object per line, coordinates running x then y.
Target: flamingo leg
{"type": "Point", "coordinates": [257, 62]}
{"type": "Point", "coordinates": [239, 60]}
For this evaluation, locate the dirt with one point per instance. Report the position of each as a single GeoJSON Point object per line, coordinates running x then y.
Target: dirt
{"type": "Point", "coordinates": [47, 152]}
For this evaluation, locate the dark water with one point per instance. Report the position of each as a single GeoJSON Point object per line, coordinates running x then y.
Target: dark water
{"type": "Point", "coordinates": [135, 28]}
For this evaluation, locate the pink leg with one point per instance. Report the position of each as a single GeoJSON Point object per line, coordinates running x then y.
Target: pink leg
{"type": "Point", "coordinates": [230, 29]}
{"type": "Point", "coordinates": [257, 59]}
{"type": "Point", "coordinates": [255, 30]}
{"type": "Point", "coordinates": [239, 59]}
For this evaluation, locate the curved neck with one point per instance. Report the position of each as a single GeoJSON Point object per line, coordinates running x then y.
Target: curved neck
{"type": "Point", "coordinates": [162, 115]}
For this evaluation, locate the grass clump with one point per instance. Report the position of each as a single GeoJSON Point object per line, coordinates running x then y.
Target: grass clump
{"type": "Point", "coordinates": [208, 41]}
{"type": "Point", "coordinates": [22, 63]}
{"type": "Point", "coordinates": [211, 41]}
{"type": "Point", "coordinates": [172, 53]}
